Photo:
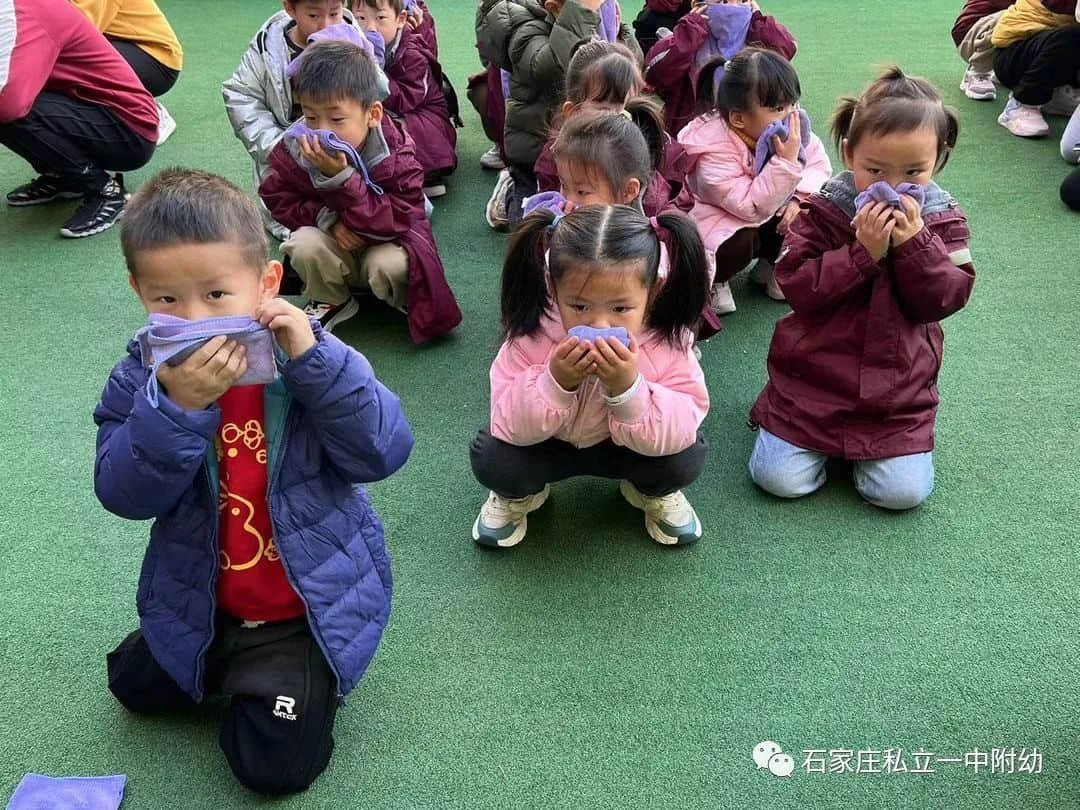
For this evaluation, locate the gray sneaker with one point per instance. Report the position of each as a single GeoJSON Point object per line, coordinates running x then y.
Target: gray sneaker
{"type": "Point", "coordinates": [502, 522]}
{"type": "Point", "coordinates": [669, 519]}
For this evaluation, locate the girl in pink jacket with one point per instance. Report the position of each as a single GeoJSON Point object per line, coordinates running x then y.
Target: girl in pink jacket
{"type": "Point", "coordinates": [742, 207]}
{"type": "Point", "coordinates": [626, 404]}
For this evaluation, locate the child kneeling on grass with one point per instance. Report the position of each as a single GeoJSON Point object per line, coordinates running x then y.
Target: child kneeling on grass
{"type": "Point", "coordinates": [267, 577]}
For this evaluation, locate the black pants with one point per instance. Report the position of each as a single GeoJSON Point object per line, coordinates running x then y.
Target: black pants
{"type": "Point", "coordinates": [1033, 67]}
{"type": "Point", "coordinates": [745, 245]}
{"type": "Point", "coordinates": [78, 141]}
{"type": "Point", "coordinates": [1070, 190]}
{"type": "Point", "coordinates": [524, 186]}
{"type": "Point", "coordinates": [517, 472]}
{"type": "Point", "coordinates": [278, 730]}
{"type": "Point", "coordinates": [157, 78]}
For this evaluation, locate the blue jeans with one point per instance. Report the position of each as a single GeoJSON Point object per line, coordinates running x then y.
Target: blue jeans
{"type": "Point", "coordinates": [789, 471]}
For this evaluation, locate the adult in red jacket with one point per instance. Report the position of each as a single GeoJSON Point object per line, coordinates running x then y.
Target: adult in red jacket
{"type": "Point", "coordinates": [853, 368]}
{"type": "Point", "coordinates": [73, 108]}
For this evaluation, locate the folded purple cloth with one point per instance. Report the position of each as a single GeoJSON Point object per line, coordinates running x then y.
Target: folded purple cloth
{"type": "Point", "coordinates": [551, 200]}
{"type": "Point", "coordinates": [348, 33]}
{"type": "Point", "coordinates": [728, 28]}
{"type": "Point", "coordinates": [764, 149]}
{"type": "Point", "coordinates": [591, 333]}
{"type": "Point", "coordinates": [608, 29]}
{"type": "Point", "coordinates": [37, 792]}
{"type": "Point", "coordinates": [168, 339]}
{"type": "Point", "coordinates": [883, 192]}
{"type": "Point", "coordinates": [331, 143]}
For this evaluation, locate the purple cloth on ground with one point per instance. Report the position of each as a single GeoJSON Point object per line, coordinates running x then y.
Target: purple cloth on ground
{"type": "Point", "coordinates": [168, 339]}
{"type": "Point", "coordinates": [764, 149]}
{"type": "Point", "coordinates": [340, 31]}
{"type": "Point", "coordinates": [37, 792]}
{"type": "Point", "coordinates": [331, 143]}
{"type": "Point", "coordinates": [591, 333]}
{"type": "Point", "coordinates": [551, 200]}
{"type": "Point", "coordinates": [728, 28]}
{"type": "Point", "coordinates": [883, 192]}
{"type": "Point", "coordinates": [609, 21]}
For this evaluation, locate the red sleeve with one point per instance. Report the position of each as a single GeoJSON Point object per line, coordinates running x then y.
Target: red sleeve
{"type": "Point", "coordinates": [769, 33]}
{"type": "Point", "coordinates": [410, 78]}
{"type": "Point", "coordinates": [31, 63]}
{"type": "Point", "coordinates": [933, 272]}
{"type": "Point", "coordinates": [670, 61]}
{"type": "Point", "coordinates": [813, 274]}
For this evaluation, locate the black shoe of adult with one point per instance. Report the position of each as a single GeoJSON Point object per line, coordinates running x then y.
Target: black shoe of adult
{"type": "Point", "coordinates": [101, 209]}
{"type": "Point", "coordinates": [42, 190]}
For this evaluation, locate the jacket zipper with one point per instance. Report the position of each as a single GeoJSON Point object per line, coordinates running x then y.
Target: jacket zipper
{"type": "Point", "coordinates": [215, 552]}
{"type": "Point", "coordinates": [270, 489]}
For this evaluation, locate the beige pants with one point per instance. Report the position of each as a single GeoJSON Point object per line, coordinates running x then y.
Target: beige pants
{"type": "Point", "coordinates": [976, 48]}
{"type": "Point", "coordinates": [331, 274]}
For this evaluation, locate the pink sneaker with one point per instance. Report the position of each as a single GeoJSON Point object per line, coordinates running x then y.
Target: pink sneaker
{"type": "Point", "coordinates": [1023, 120]}
{"type": "Point", "coordinates": [978, 86]}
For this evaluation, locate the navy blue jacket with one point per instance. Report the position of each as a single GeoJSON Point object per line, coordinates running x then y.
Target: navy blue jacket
{"type": "Point", "coordinates": [331, 427]}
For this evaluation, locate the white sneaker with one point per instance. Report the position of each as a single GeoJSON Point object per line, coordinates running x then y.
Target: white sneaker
{"type": "Point", "coordinates": [435, 190]}
{"type": "Point", "coordinates": [491, 159]}
{"type": "Point", "coordinates": [979, 86]}
{"type": "Point", "coordinates": [502, 522]}
{"type": "Point", "coordinates": [762, 273]}
{"type": "Point", "coordinates": [1064, 101]}
{"type": "Point", "coordinates": [496, 214]}
{"type": "Point", "coordinates": [721, 300]}
{"type": "Point", "coordinates": [330, 315]}
{"type": "Point", "coordinates": [1023, 120]}
{"type": "Point", "coordinates": [166, 124]}
{"type": "Point", "coordinates": [669, 519]}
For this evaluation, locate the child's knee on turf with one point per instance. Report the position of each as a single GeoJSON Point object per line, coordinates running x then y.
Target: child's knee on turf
{"type": "Point", "coordinates": [898, 483]}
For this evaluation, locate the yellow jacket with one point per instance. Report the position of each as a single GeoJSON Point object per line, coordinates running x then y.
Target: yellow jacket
{"type": "Point", "coordinates": [1024, 19]}
{"type": "Point", "coordinates": [138, 21]}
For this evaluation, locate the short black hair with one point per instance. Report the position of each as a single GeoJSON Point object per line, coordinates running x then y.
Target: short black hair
{"type": "Point", "coordinates": [335, 69]}
{"type": "Point", "coordinates": [187, 206]}
{"type": "Point", "coordinates": [396, 6]}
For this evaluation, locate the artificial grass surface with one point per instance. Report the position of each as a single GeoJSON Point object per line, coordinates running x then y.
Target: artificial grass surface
{"type": "Point", "coordinates": [589, 667]}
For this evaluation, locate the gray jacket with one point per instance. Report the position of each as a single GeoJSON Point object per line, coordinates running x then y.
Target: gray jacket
{"type": "Point", "coordinates": [258, 99]}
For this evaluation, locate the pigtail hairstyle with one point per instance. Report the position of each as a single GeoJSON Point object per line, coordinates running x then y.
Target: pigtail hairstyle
{"type": "Point", "coordinates": [607, 142]}
{"type": "Point", "coordinates": [681, 300]}
{"type": "Point", "coordinates": [753, 76]}
{"type": "Point", "coordinates": [649, 118]}
{"type": "Point", "coordinates": [603, 73]}
{"type": "Point", "coordinates": [896, 102]}
{"type": "Point", "coordinates": [705, 93]}
{"type": "Point", "coordinates": [525, 295]}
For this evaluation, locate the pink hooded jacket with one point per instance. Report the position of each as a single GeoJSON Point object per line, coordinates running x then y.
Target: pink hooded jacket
{"type": "Point", "coordinates": [661, 418]}
{"type": "Point", "coordinates": [727, 196]}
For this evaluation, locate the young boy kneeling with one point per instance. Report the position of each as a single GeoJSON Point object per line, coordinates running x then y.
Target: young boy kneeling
{"type": "Point", "coordinates": [267, 577]}
{"type": "Point", "coordinates": [357, 212]}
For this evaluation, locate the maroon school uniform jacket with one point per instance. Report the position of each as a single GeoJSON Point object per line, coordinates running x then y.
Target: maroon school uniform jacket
{"type": "Point", "coordinates": [665, 188]}
{"type": "Point", "coordinates": [426, 30]}
{"type": "Point", "coordinates": [853, 367]}
{"type": "Point", "coordinates": [396, 215]}
{"type": "Point", "coordinates": [671, 64]}
{"type": "Point", "coordinates": [416, 96]}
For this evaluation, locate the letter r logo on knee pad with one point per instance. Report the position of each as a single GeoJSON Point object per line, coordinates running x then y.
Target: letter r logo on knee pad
{"type": "Point", "coordinates": [284, 707]}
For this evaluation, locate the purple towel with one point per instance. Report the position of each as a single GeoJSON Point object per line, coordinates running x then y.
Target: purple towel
{"type": "Point", "coordinates": [728, 28]}
{"type": "Point", "coordinates": [331, 143]}
{"type": "Point", "coordinates": [609, 22]}
{"type": "Point", "coordinates": [553, 201]}
{"type": "Point", "coordinates": [592, 334]}
{"type": "Point", "coordinates": [37, 792]}
{"type": "Point", "coordinates": [764, 149]}
{"type": "Point", "coordinates": [346, 32]}
{"type": "Point", "coordinates": [168, 339]}
{"type": "Point", "coordinates": [883, 192]}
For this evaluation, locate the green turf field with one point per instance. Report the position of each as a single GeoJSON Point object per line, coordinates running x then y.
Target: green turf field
{"type": "Point", "coordinates": [590, 667]}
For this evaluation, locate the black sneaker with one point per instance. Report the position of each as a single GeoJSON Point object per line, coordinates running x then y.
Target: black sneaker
{"type": "Point", "coordinates": [101, 209]}
{"type": "Point", "coordinates": [42, 190]}
{"type": "Point", "coordinates": [330, 315]}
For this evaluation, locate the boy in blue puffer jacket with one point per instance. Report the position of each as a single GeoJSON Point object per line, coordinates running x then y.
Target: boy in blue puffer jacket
{"type": "Point", "coordinates": [267, 577]}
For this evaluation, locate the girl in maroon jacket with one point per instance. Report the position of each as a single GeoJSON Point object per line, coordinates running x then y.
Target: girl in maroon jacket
{"type": "Point", "coordinates": [853, 368]}
{"type": "Point", "coordinates": [605, 75]}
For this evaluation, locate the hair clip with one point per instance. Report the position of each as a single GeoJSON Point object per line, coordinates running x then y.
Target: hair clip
{"type": "Point", "coordinates": [626, 114]}
{"type": "Point", "coordinates": [556, 219]}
